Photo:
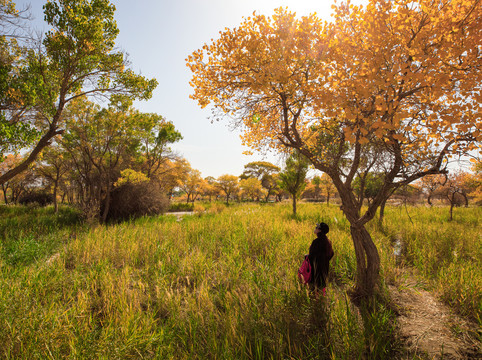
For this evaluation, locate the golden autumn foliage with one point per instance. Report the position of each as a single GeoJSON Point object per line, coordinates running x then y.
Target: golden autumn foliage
{"type": "Point", "coordinates": [251, 188]}
{"type": "Point", "coordinates": [405, 72]}
{"type": "Point", "coordinates": [228, 185]}
{"type": "Point", "coordinates": [130, 176]}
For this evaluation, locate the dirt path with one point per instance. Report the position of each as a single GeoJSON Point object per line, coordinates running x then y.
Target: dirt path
{"type": "Point", "coordinates": [428, 327]}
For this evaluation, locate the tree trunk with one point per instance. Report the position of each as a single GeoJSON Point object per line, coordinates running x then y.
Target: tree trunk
{"type": "Point", "coordinates": [56, 205]}
{"type": "Point", "coordinates": [107, 202]}
{"type": "Point", "coordinates": [466, 199]}
{"type": "Point", "coordinates": [382, 212]}
{"type": "Point", "coordinates": [429, 199]}
{"type": "Point", "coordinates": [452, 201]}
{"type": "Point", "coordinates": [294, 204]}
{"type": "Point", "coordinates": [4, 189]}
{"type": "Point", "coordinates": [368, 262]}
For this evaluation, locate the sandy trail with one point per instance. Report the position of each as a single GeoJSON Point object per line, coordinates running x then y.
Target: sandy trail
{"type": "Point", "coordinates": [427, 326]}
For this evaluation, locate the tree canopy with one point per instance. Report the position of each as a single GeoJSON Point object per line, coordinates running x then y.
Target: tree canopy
{"type": "Point", "coordinates": [293, 177]}
{"type": "Point", "coordinates": [259, 169]}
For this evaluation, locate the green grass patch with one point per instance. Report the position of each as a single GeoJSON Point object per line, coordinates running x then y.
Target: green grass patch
{"type": "Point", "coordinates": [180, 206]}
{"type": "Point", "coordinates": [30, 234]}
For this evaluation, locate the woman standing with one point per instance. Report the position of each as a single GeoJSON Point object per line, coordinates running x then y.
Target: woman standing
{"type": "Point", "coordinates": [320, 255]}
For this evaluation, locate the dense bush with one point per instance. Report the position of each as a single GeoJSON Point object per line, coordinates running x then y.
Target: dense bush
{"type": "Point", "coordinates": [40, 198]}
{"type": "Point", "coordinates": [136, 200]}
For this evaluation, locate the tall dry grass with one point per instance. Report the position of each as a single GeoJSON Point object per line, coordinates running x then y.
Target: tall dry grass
{"type": "Point", "coordinates": [447, 253]}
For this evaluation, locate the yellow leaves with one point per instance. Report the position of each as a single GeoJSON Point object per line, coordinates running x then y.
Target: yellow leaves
{"type": "Point", "coordinates": [381, 128]}
{"type": "Point", "coordinates": [130, 176]}
{"type": "Point", "coordinates": [363, 141]}
{"type": "Point", "coordinates": [364, 132]}
{"type": "Point", "coordinates": [349, 134]}
{"type": "Point", "coordinates": [355, 69]}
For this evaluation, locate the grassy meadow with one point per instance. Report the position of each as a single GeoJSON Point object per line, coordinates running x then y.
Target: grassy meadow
{"type": "Point", "coordinates": [220, 284]}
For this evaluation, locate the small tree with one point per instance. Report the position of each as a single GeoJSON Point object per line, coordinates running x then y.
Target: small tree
{"type": "Point", "coordinates": [431, 185]}
{"type": "Point", "coordinates": [292, 178]}
{"type": "Point", "coordinates": [210, 190]}
{"type": "Point", "coordinates": [455, 192]}
{"type": "Point", "coordinates": [8, 163]}
{"type": "Point", "coordinates": [251, 188]}
{"type": "Point", "coordinates": [328, 187]}
{"type": "Point", "coordinates": [229, 185]}
{"type": "Point", "coordinates": [264, 171]}
{"type": "Point", "coordinates": [53, 167]}
{"type": "Point", "coordinates": [191, 183]}
{"type": "Point", "coordinates": [316, 182]}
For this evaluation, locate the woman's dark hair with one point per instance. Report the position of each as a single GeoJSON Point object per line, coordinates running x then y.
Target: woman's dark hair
{"type": "Point", "coordinates": [324, 228]}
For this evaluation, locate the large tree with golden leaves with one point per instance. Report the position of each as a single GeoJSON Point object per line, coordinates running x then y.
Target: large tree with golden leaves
{"type": "Point", "coordinates": [392, 88]}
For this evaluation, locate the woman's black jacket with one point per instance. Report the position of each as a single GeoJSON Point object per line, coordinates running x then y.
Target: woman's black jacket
{"type": "Point", "coordinates": [320, 254]}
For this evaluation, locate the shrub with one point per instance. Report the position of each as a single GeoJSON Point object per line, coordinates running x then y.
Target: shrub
{"type": "Point", "coordinates": [40, 198]}
{"type": "Point", "coordinates": [181, 206]}
{"type": "Point", "coordinates": [217, 208]}
{"type": "Point", "coordinates": [199, 209]}
{"type": "Point", "coordinates": [136, 200]}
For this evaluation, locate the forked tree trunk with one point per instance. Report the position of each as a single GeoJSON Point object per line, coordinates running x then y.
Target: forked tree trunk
{"type": "Point", "coordinates": [367, 259]}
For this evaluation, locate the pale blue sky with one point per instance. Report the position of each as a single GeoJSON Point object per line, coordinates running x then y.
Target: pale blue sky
{"type": "Point", "coordinates": [158, 35]}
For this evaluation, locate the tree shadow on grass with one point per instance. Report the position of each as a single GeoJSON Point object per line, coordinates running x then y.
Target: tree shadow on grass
{"type": "Point", "coordinates": [28, 234]}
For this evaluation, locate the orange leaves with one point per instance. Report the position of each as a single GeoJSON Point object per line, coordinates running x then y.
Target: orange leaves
{"type": "Point", "coordinates": [398, 137]}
